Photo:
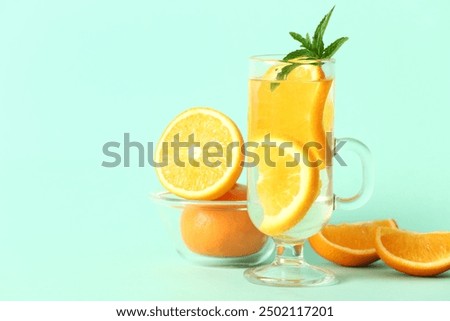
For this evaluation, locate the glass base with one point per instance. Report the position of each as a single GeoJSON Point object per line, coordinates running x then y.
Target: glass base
{"type": "Point", "coordinates": [290, 274]}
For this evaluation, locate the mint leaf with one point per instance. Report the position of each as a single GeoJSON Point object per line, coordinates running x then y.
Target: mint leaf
{"type": "Point", "coordinates": [308, 38]}
{"type": "Point", "coordinates": [282, 75]}
{"type": "Point", "coordinates": [285, 71]}
{"type": "Point", "coordinates": [297, 54]}
{"type": "Point", "coordinates": [332, 48]}
{"type": "Point", "coordinates": [320, 30]}
{"type": "Point", "coordinates": [310, 49]}
{"type": "Point", "coordinates": [274, 85]}
{"type": "Point", "coordinates": [304, 41]}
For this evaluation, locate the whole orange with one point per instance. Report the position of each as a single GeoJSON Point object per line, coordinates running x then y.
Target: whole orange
{"type": "Point", "coordinates": [221, 231]}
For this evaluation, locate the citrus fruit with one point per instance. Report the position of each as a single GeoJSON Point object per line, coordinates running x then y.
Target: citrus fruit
{"type": "Point", "coordinates": [419, 254]}
{"type": "Point", "coordinates": [304, 71]}
{"type": "Point", "coordinates": [286, 186]}
{"type": "Point", "coordinates": [222, 231]}
{"type": "Point", "coordinates": [293, 110]}
{"type": "Point", "coordinates": [208, 161]}
{"type": "Point", "coordinates": [328, 116]}
{"type": "Point", "coordinates": [349, 244]}
{"type": "Point", "coordinates": [237, 193]}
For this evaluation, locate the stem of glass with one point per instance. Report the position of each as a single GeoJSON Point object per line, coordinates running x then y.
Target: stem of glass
{"type": "Point", "coordinates": [289, 253]}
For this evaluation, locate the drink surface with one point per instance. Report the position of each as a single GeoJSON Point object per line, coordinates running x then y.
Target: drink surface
{"type": "Point", "coordinates": [300, 110]}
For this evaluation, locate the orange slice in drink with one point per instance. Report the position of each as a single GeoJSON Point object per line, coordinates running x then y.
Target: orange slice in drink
{"type": "Point", "coordinates": [349, 244]}
{"type": "Point", "coordinates": [304, 71]}
{"type": "Point", "coordinates": [294, 109]}
{"type": "Point", "coordinates": [286, 186]}
{"type": "Point", "coordinates": [187, 171]}
{"type": "Point", "coordinates": [328, 115]}
{"type": "Point", "coordinates": [419, 254]}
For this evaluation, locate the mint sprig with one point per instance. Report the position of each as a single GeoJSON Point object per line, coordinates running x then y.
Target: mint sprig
{"type": "Point", "coordinates": [310, 49]}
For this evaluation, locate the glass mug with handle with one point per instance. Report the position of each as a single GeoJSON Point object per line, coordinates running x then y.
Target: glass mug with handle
{"type": "Point", "coordinates": [289, 158]}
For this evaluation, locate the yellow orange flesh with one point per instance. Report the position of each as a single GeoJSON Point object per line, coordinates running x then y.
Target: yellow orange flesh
{"type": "Point", "coordinates": [286, 187]}
{"type": "Point", "coordinates": [419, 254]}
{"type": "Point", "coordinates": [187, 174]}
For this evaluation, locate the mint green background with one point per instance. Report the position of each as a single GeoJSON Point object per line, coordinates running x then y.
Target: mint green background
{"type": "Point", "coordinates": [76, 74]}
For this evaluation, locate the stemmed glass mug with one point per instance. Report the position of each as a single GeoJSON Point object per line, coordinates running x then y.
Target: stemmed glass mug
{"type": "Point", "coordinates": [290, 186]}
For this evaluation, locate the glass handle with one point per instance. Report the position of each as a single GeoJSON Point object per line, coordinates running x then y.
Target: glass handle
{"type": "Point", "coordinates": [366, 189]}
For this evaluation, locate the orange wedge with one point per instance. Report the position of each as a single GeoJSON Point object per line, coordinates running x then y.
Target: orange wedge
{"type": "Point", "coordinates": [187, 172]}
{"type": "Point", "coordinates": [349, 244]}
{"type": "Point", "coordinates": [286, 186]}
{"type": "Point", "coordinates": [419, 254]}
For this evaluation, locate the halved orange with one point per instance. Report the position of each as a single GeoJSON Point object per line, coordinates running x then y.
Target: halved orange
{"type": "Point", "coordinates": [349, 244]}
{"type": "Point", "coordinates": [419, 254]}
{"type": "Point", "coordinates": [209, 159]}
{"type": "Point", "coordinates": [286, 186]}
